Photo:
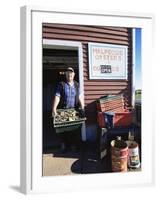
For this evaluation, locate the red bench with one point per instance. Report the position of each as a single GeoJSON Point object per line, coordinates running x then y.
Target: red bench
{"type": "Point", "coordinates": [123, 117]}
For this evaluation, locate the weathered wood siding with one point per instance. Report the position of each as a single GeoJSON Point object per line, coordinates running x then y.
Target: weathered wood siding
{"type": "Point", "coordinates": [94, 89]}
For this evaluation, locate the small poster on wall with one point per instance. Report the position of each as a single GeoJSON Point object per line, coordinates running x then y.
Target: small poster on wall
{"type": "Point", "coordinates": [107, 61]}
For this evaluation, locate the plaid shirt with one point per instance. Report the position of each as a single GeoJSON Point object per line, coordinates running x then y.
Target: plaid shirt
{"type": "Point", "coordinates": [70, 94]}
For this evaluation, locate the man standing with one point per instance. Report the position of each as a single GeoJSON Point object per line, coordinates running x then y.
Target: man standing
{"type": "Point", "coordinates": [67, 95]}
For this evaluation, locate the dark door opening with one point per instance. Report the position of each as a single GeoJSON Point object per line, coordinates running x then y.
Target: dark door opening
{"type": "Point", "coordinates": [55, 62]}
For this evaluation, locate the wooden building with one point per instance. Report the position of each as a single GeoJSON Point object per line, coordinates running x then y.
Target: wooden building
{"type": "Point", "coordinates": [93, 89]}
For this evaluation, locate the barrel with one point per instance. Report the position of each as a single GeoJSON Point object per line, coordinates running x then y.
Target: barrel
{"type": "Point", "coordinates": [133, 154]}
{"type": "Point", "coordinates": [119, 155]}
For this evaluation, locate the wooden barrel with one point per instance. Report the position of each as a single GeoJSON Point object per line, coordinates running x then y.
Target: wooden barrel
{"type": "Point", "coordinates": [119, 155]}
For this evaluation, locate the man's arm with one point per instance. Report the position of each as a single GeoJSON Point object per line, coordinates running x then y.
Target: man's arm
{"type": "Point", "coordinates": [81, 101]}
{"type": "Point", "coordinates": [55, 104]}
{"type": "Point", "coordinates": [56, 99]}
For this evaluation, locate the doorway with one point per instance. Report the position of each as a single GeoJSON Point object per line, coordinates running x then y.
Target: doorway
{"type": "Point", "coordinates": [57, 56]}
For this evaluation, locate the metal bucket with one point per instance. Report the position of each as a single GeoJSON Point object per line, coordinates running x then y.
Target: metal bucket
{"type": "Point", "coordinates": [119, 155]}
{"type": "Point", "coordinates": [133, 155]}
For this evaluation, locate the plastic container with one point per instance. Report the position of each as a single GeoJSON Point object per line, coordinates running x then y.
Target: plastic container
{"type": "Point", "coordinates": [133, 155]}
{"type": "Point", "coordinates": [61, 127]}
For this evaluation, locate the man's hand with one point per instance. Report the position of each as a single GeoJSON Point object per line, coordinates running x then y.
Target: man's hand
{"type": "Point", "coordinates": [54, 113]}
{"type": "Point", "coordinates": [82, 113]}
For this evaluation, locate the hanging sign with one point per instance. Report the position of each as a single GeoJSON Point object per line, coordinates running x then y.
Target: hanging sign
{"type": "Point", "coordinates": [107, 61]}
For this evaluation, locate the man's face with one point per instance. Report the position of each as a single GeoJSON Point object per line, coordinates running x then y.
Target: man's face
{"type": "Point", "coordinates": [70, 75]}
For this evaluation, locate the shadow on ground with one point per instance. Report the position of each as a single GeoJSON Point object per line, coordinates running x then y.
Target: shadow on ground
{"type": "Point", "coordinates": [15, 187]}
{"type": "Point", "coordinates": [85, 160]}
{"type": "Point", "coordinates": [90, 162]}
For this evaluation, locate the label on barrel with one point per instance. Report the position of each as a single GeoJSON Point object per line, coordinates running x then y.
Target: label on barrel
{"type": "Point", "coordinates": [134, 152]}
{"type": "Point", "coordinates": [134, 160]}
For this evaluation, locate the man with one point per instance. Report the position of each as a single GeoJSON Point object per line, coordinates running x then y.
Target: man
{"type": "Point", "coordinates": [67, 95]}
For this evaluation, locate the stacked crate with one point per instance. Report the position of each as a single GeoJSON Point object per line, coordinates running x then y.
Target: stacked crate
{"type": "Point", "coordinates": [122, 117]}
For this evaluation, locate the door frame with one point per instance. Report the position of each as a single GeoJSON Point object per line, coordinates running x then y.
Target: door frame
{"type": "Point", "coordinates": [133, 66]}
{"type": "Point", "coordinates": [71, 45]}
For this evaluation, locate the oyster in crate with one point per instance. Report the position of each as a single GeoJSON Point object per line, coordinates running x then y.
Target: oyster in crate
{"type": "Point", "coordinates": [67, 115]}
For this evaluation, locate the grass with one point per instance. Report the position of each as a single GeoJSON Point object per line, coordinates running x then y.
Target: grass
{"type": "Point", "coordinates": [138, 95]}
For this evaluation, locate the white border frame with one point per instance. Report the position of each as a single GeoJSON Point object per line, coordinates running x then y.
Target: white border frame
{"type": "Point", "coordinates": [90, 44]}
{"type": "Point", "coordinates": [31, 95]}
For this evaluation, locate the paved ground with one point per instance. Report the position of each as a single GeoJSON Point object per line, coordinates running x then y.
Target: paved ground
{"type": "Point", "coordinates": [57, 165]}
{"type": "Point", "coordinates": [71, 163]}
{"type": "Point", "coordinates": [80, 162]}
